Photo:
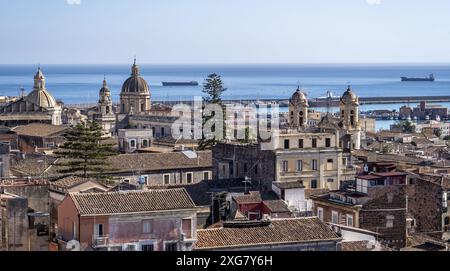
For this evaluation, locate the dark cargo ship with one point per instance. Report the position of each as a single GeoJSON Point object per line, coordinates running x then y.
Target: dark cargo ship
{"type": "Point", "coordinates": [415, 79]}
{"type": "Point", "coordinates": [180, 84]}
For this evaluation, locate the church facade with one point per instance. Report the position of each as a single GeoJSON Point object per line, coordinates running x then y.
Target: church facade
{"type": "Point", "coordinates": [39, 106]}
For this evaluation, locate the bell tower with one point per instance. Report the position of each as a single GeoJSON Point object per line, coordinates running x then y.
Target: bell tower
{"type": "Point", "coordinates": [298, 110]}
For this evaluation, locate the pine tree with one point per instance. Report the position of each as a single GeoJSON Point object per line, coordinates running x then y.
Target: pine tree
{"type": "Point", "coordinates": [85, 152]}
{"type": "Point", "coordinates": [213, 87]}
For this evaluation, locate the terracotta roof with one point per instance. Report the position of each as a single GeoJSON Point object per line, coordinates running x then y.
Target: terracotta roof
{"type": "Point", "coordinates": [362, 246]}
{"type": "Point", "coordinates": [278, 232]}
{"type": "Point", "coordinates": [159, 161]}
{"type": "Point", "coordinates": [253, 197]}
{"type": "Point", "coordinates": [72, 181]}
{"type": "Point", "coordinates": [39, 129]}
{"type": "Point", "coordinates": [277, 206]}
{"type": "Point", "coordinates": [132, 201]}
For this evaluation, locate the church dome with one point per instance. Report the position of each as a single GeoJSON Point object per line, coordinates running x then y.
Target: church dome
{"type": "Point", "coordinates": [349, 96]}
{"type": "Point", "coordinates": [42, 98]}
{"type": "Point", "coordinates": [135, 84]}
{"type": "Point", "coordinates": [298, 97]}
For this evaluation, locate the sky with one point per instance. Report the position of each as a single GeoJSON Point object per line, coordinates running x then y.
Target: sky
{"type": "Point", "coordinates": [224, 31]}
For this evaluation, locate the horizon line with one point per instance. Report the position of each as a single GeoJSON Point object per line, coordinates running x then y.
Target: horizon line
{"type": "Point", "coordinates": [234, 63]}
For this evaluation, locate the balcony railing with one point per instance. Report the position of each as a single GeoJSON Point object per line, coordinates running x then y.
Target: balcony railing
{"type": "Point", "coordinates": [100, 241]}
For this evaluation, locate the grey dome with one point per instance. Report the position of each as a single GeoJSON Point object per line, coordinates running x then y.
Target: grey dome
{"type": "Point", "coordinates": [135, 83]}
{"type": "Point", "coordinates": [349, 96]}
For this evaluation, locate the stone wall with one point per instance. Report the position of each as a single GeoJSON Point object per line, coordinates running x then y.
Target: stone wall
{"type": "Point", "coordinates": [37, 195]}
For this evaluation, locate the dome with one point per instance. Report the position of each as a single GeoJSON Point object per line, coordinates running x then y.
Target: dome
{"type": "Point", "coordinates": [349, 96]}
{"type": "Point", "coordinates": [42, 98]}
{"type": "Point", "coordinates": [135, 83]}
{"type": "Point", "coordinates": [298, 97]}
{"type": "Point", "coordinates": [104, 90]}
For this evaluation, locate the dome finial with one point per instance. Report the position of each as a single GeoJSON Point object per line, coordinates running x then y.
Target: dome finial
{"type": "Point", "coordinates": [135, 68]}
{"type": "Point", "coordinates": [104, 81]}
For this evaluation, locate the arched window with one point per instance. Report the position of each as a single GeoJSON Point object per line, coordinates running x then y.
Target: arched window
{"type": "Point", "coordinates": [107, 109]}
{"type": "Point", "coordinates": [301, 113]}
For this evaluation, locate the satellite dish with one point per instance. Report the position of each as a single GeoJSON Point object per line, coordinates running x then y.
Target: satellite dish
{"type": "Point", "coordinates": [73, 245]}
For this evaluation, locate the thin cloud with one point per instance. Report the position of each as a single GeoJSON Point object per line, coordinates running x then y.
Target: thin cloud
{"type": "Point", "coordinates": [73, 2]}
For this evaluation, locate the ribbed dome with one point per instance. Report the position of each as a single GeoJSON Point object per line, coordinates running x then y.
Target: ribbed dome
{"type": "Point", "coordinates": [298, 97]}
{"type": "Point", "coordinates": [349, 96]}
{"type": "Point", "coordinates": [135, 83]}
{"type": "Point", "coordinates": [41, 98]}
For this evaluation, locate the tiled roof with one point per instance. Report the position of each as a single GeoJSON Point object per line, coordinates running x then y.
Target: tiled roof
{"type": "Point", "coordinates": [289, 185]}
{"type": "Point", "coordinates": [71, 181]}
{"type": "Point", "coordinates": [39, 129]}
{"type": "Point", "coordinates": [159, 161]}
{"type": "Point", "coordinates": [132, 201]}
{"type": "Point", "coordinates": [362, 246]}
{"type": "Point", "coordinates": [277, 206]}
{"type": "Point", "coordinates": [279, 231]}
{"type": "Point", "coordinates": [253, 197]}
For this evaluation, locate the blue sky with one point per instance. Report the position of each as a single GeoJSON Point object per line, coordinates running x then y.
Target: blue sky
{"type": "Point", "coordinates": [224, 31]}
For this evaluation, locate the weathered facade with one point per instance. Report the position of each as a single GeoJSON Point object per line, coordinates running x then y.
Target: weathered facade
{"type": "Point", "coordinates": [133, 220]}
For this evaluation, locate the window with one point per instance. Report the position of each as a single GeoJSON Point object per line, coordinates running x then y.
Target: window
{"type": "Point", "coordinates": [300, 165]}
{"type": "Point", "coordinates": [314, 184]}
{"type": "Point", "coordinates": [314, 142]}
{"type": "Point", "coordinates": [189, 177]}
{"type": "Point", "coordinates": [145, 143]}
{"type": "Point", "coordinates": [98, 230]}
{"type": "Point", "coordinates": [123, 108]}
{"type": "Point", "coordinates": [330, 180]}
{"type": "Point", "coordinates": [334, 217]}
{"type": "Point", "coordinates": [314, 164]}
{"type": "Point", "coordinates": [171, 246]}
{"type": "Point", "coordinates": [153, 131]}
{"type": "Point", "coordinates": [327, 142]}
{"type": "Point", "coordinates": [330, 164]}
{"type": "Point", "coordinates": [206, 175]}
{"type": "Point", "coordinates": [143, 180]}
{"type": "Point", "coordinates": [162, 132]}
{"type": "Point", "coordinates": [256, 170]}
{"type": "Point", "coordinates": [166, 178]}
{"type": "Point", "coordinates": [146, 226]}
{"type": "Point", "coordinates": [389, 221]}
{"type": "Point", "coordinates": [187, 227]}
{"type": "Point", "coordinates": [147, 247]}
{"type": "Point", "coordinates": [300, 143]}
{"type": "Point", "coordinates": [350, 220]}
{"type": "Point", "coordinates": [320, 213]}
{"type": "Point", "coordinates": [285, 166]}
{"type": "Point", "coordinates": [344, 161]}
{"type": "Point", "coordinates": [286, 143]}
{"type": "Point", "coordinates": [133, 143]}
{"type": "Point", "coordinates": [142, 107]}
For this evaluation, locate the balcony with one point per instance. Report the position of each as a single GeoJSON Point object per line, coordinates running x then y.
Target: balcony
{"type": "Point", "coordinates": [299, 174]}
{"type": "Point", "coordinates": [100, 241]}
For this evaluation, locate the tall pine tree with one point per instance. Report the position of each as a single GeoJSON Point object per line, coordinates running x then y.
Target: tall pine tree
{"type": "Point", "coordinates": [85, 152]}
{"type": "Point", "coordinates": [213, 87]}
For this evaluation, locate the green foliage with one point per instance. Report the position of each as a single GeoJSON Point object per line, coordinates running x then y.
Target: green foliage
{"type": "Point", "coordinates": [85, 152]}
{"type": "Point", "coordinates": [387, 148]}
{"type": "Point", "coordinates": [405, 126]}
{"type": "Point", "coordinates": [213, 87]}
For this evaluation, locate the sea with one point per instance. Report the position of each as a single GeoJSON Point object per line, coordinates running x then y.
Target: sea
{"type": "Point", "coordinates": [79, 84]}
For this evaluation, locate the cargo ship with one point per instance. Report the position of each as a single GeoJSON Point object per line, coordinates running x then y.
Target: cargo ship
{"type": "Point", "coordinates": [180, 84]}
{"type": "Point", "coordinates": [415, 79]}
